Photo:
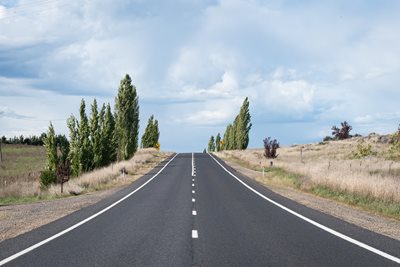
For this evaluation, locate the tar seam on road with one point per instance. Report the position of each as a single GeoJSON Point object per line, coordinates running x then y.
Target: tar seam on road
{"type": "Point", "coordinates": [22, 252]}
{"type": "Point", "coordinates": [323, 227]}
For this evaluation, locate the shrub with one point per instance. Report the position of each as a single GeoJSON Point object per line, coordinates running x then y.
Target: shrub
{"type": "Point", "coordinates": [47, 177]}
{"type": "Point", "coordinates": [394, 150]}
{"type": "Point", "coordinates": [270, 147]}
{"type": "Point", "coordinates": [328, 138]}
{"type": "Point", "coordinates": [363, 151]}
{"type": "Point", "coordinates": [343, 132]}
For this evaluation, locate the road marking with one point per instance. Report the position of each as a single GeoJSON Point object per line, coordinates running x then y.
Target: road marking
{"type": "Point", "coordinates": [193, 200]}
{"type": "Point", "coordinates": [195, 234]}
{"type": "Point", "coordinates": [323, 227]}
{"type": "Point", "coordinates": [194, 212]}
{"type": "Point", "coordinates": [193, 192]}
{"type": "Point", "coordinates": [192, 184]}
{"type": "Point", "coordinates": [192, 180]}
{"type": "Point", "coordinates": [22, 252]}
{"type": "Point", "coordinates": [193, 166]}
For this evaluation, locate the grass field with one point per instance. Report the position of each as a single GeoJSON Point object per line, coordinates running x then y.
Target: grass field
{"type": "Point", "coordinates": [21, 163]}
{"type": "Point", "coordinates": [329, 169]}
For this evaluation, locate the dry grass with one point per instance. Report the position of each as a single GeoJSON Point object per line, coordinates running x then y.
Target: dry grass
{"type": "Point", "coordinates": [143, 161]}
{"type": "Point", "coordinates": [332, 166]}
{"type": "Point", "coordinates": [21, 163]}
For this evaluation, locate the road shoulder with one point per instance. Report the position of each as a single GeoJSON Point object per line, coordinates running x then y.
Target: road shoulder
{"type": "Point", "coordinates": [376, 223]}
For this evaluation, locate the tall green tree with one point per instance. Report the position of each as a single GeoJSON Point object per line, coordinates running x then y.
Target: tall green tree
{"type": "Point", "coordinates": [218, 143]}
{"type": "Point", "coordinates": [62, 145]}
{"type": "Point", "coordinates": [85, 144]}
{"type": "Point", "coordinates": [151, 134]}
{"type": "Point", "coordinates": [227, 138]}
{"type": "Point", "coordinates": [74, 146]}
{"type": "Point", "coordinates": [243, 126]}
{"type": "Point", "coordinates": [95, 134]}
{"type": "Point", "coordinates": [211, 144]}
{"type": "Point", "coordinates": [51, 148]}
{"type": "Point", "coordinates": [127, 119]}
{"type": "Point", "coordinates": [109, 147]}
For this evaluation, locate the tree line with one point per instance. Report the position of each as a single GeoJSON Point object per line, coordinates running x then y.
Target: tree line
{"type": "Point", "coordinates": [25, 140]}
{"type": "Point", "coordinates": [236, 135]}
{"type": "Point", "coordinates": [102, 137]}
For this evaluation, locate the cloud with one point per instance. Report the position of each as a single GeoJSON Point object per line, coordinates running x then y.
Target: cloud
{"type": "Point", "coordinates": [6, 112]}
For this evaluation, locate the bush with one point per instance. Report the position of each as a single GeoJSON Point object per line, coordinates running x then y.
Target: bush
{"type": "Point", "coordinates": [394, 149]}
{"type": "Point", "coordinates": [270, 147]}
{"type": "Point", "coordinates": [47, 177]}
{"type": "Point", "coordinates": [363, 151]}
{"type": "Point", "coordinates": [343, 132]}
{"type": "Point", "coordinates": [328, 138]}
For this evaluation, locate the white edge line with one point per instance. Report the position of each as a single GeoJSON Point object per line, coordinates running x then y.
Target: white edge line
{"type": "Point", "coordinates": [323, 227]}
{"type": "Point", "coordinates": [22, 252]}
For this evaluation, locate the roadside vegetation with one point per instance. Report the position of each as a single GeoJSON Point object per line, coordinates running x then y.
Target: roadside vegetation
{"type": "Point", "coordinates": [236, 135]}
{"type": "Point", "coordinates": [116, 174]}
{"type": "Point", "coordinates": [359, 171]}
{"type": "Point", "coordinates": [101, 147]}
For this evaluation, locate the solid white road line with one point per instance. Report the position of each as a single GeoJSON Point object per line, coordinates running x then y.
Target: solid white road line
{"type": "Point", "coordinates": [195, 234]}
{"type": "Point", "coordinates": [13, 257]}
{"type": "Point", "coordinates": [323, 227]}
{"type": "Point", "coordinates": [193, 200]}
{"type": "Point", "coordinates": [194, 212]}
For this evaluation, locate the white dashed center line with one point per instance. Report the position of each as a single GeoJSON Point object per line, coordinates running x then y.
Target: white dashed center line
{"type": "Point", "coordinates": [194, 212]}
{"type": "Point", "coordinates": [193, 200]}
{"type": "Point", "coordinates": [193, 192]}
{"type": "Point", "coordinates": [195, 234]}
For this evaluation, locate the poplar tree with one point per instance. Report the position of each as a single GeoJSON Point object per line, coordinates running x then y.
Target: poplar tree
{"type": "Point", "coordinates": [74, 146]}
{"type": "Point", "coordinates": [86, 154]}
{"type": "Point", "coordinates": [151, 134]}
{"type": "Point", "coordinates": [109, 147]}
{"type": "Point", "coordinates": [127, 119]}
{"type": "Point", "coordinates": [243, 126]}
{"type": "Point", "coordinates": [227, 138]}
{"type": "Point", "coordinates": [95, 134]}
{"type": "Point", "coordinates": [218, 143]}
{"type": "Point", "coordinates": [50, 144]}
{"type": "Point", "coordinates": [211, 144]}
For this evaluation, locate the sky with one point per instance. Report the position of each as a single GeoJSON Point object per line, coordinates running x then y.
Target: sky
{"type": "Point", "coordinates": [305, 65]}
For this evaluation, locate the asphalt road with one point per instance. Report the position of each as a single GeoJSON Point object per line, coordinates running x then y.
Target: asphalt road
{"type": "Point", "coordinates": [196, 213]}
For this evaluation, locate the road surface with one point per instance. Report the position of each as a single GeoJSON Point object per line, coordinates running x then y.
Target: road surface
{"type": "Point", "coordinates": [193, 210]}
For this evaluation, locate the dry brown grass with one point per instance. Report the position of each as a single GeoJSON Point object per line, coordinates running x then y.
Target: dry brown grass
{"type": "Point", "coordinates": [143, 161]}
{"type": "Point", "coordinates": [331, 165]}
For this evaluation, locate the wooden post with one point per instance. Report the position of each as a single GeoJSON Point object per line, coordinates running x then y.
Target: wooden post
{"type": "Point", "coordinates": [301, 154]}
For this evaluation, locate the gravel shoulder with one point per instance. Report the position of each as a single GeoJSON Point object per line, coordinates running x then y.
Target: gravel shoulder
{"type": "Point", "coordinates": [376, 223]}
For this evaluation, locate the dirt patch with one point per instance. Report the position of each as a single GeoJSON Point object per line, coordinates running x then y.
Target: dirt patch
{"type": "Point", "coordinates": [364, 219]}
{"type": "Point", "coordinates": [19, 219]}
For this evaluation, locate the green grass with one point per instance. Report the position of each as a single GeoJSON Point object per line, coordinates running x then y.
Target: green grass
{"type": "Point", "coordinates": [391, 209]}
{"type": "Point", "coordinates": [4, 201]}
